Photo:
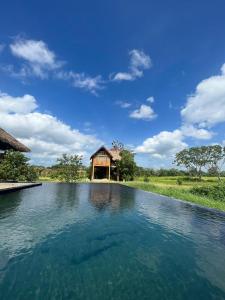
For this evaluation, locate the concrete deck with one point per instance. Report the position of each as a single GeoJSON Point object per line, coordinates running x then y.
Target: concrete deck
{"type": "Point", "coordinates": [10, 187]}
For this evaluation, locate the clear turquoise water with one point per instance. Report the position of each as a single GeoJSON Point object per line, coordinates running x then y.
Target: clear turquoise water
{"type": "Point", "coordinates": [99, 241]}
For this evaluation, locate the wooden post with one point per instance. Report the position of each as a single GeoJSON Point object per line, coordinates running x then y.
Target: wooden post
{"type": "Point", "coordinates": [93, 171]}
{"type": "Point", "coordinates": [109, 171]}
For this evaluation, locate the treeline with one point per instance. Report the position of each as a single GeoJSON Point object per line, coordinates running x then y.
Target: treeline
{"type": "Point", "coordinates": [148, 172]}
{"type": "Point", "coordinates": [196, 161]}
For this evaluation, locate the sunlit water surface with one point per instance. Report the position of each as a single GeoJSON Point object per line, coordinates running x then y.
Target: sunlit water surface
{"type": "Point", "coordinates": [101, 241]}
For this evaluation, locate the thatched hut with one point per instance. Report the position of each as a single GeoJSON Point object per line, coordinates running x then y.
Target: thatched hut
{"type": "Point", "coordinates": [103, 163]}
{"type": "Point", "coordinates": [8, 142]}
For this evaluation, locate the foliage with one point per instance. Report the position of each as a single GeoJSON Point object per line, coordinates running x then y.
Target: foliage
{"type": "Point", "coordinates": [194, 158]}
{"type": "Point", "coordinates": [179, 181]}
{"type": "Point", "coordinates": [197, 158]}
{"type": "Point", "coordinates": [146, 178]}
{"type": "Point", "coordinates": [117, 145]}
{"type": "Point", "coordinates": [216, 159]}
{"type": "Point", "coordinates": [69, 168]}
{"type": "Point", "coordinates": [215, 192]}
{"type": "Point", "coordinates": [14, 167]}
{"type": "Point", "coordinates": [142, 172]}
{"type": "Point", "coordinates": [126, 166]}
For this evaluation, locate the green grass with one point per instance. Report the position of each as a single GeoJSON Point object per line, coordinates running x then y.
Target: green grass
{"type": "Point", "coordinates": [168, 186]}
{"type": "Point", "coordinates": [50, 179]}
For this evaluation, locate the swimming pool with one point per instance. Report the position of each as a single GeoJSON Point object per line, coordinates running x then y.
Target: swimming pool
{"type": "Point", "coordinates": [108, 241]}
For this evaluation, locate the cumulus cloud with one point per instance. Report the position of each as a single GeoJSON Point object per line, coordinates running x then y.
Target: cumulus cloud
{"type": "Point", "coordinates": [145, 112]}
{"type": "Point", "coordinates": [20, 105]}
{"type": "Point", "coordinates": [139, 61]}
{"type": "Point", "coordinates": [150, 99]}
{"type": "Point", "coordinates": [163, 145]}
{"type": "Point", "coordinates": [38, 58]}
{"type": "Point", "coordinates": [123, 104]}
{"type": "Point", "coordinates": [44, 134]}
{"type": "Point", "coordinates": [198, 133]}
{"type": "Point", "coordinates": [206, 107]}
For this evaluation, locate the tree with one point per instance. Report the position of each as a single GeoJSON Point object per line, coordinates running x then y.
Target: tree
{"type": "Point", "coordinates": [216, 159]}
{"type": "Point", "coordinates": [116, 145]}
{"type": "Point", "coordinates": [195, 158]}
{"type": "Point", "coordinates": [68, 167]}
{"type": "Point", "coordinates": [126, 166]}
{"type": "Point", "coordinates": [14, 166]}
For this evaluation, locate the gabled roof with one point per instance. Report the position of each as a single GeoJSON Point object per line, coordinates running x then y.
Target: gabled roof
{"type": "Point", "coordinates": [100, 149]}
{"type": "Point", "coordinates": [8, 142]}
{"type": "Point", "coordinates": [113, 153]}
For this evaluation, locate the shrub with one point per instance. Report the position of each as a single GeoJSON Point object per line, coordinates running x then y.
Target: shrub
{"type": "Point", "coordinates": [215, 192]}
{"type": "Point", "coordinates": [179, 181]}
{"type": "Point", "coordinates": [14, 167]}
{"type": "Point", "coordinates": [146, 179]}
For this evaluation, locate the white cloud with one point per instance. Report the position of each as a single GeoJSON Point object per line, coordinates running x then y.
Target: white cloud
{"type": "Point", "coordinates": [41, 62]}
{"type": "Point", "coordinates": [20, 105]}
{"type": "Point", "coordinates": [123, 104]}
{"type": "Point", "coordinates": [206, 107]}
{"type": "Point", "coordinates": [145, 112]}
{"type": "Point", "coordinates": [47, 136]}
{"type": "Point", "coordinates": [163, 145]}
{"type": "Point", "coordinates": [150, 99]}
{"type": "Point", "coordinates": [198, 133]}
{"type": "Point", "coordinates": [83, 81]}
{"type": "Point", "coordinates": [139, 61]}
{"type": "Point", "coordinates": [38, 58]}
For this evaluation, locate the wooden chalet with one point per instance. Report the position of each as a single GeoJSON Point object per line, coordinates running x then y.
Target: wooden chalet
{"type": "Point", "coordinates": [103, 164]}
{"type": "Point", "coordinates": [8, 142]}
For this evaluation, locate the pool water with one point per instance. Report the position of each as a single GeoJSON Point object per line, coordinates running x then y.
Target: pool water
{"type": "Point", "coordinates": [107, 241]}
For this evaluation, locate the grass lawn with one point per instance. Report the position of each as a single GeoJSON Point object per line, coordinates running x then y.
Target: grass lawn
{"type": "Point", "coordinates": [168, 186]}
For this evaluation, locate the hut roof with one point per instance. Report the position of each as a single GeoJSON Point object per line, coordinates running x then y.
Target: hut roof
{"type": "Point", "coordinates": [113, 153]}
{"type": "Point", "coordinates": [100, 149]}
{"type": "Point", "coordinates": [8, 142]}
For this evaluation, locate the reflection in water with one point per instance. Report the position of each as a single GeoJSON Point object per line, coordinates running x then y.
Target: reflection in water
{"type": "Point", "coordinates": [9, 204]}
{"type": "Point", "coordinates": [111, 196]}
{"type": "Point", "coordinates": [107, 241]}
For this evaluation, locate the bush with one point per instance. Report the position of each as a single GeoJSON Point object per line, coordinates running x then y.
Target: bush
{"type": "Point", "coordinates": [14, 167]}
{"type": "Point", "coordinates": [215, 192]}
{"type": "Point", "coordinates": [146, 179]}
{"type": "Point", "coordinates": [179, 181]}
{"type": "Point", "coordinates": [191, 179]}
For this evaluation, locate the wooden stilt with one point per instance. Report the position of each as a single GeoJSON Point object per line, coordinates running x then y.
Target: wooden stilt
{"type": "Point", "coordinates": [93, 172]}
{"type": "Point", "coordinates": [109, 171]}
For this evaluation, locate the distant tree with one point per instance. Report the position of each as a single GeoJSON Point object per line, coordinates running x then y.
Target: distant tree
{"type": "Point", "coordinates": [216, 159]}
{"type": "Point", "coordinates": [14, 166]}
{"type": "Point", "coordinates": [68, 168]}
{"type": "Point", "coordinates": [117, 145]}
{"type": "Point", "coordinates": [126, 166]}
{"type": "Point", "coordinates": [195, 158]}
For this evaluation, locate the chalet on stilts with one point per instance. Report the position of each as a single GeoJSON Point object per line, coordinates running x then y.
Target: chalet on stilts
{"type": "Point", "coordinates": [103, 164]}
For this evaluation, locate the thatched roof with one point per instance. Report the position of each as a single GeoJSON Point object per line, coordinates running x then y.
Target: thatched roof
{"type": "Point", "coordinates": [102, 148]}
{"type": "Point", "coordinates": [113, 153]}
{"type": "Point", "coordinates": [8, 142]}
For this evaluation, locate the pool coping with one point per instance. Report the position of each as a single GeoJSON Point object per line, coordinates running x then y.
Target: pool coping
{"type": "Point", "coordinates": [12, 187]}
{"type": "Point", "coordinates": [178, 200]}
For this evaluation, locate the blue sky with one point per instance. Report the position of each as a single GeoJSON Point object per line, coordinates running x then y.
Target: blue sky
{"type": "Point", "coordinates": [78, 74]}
